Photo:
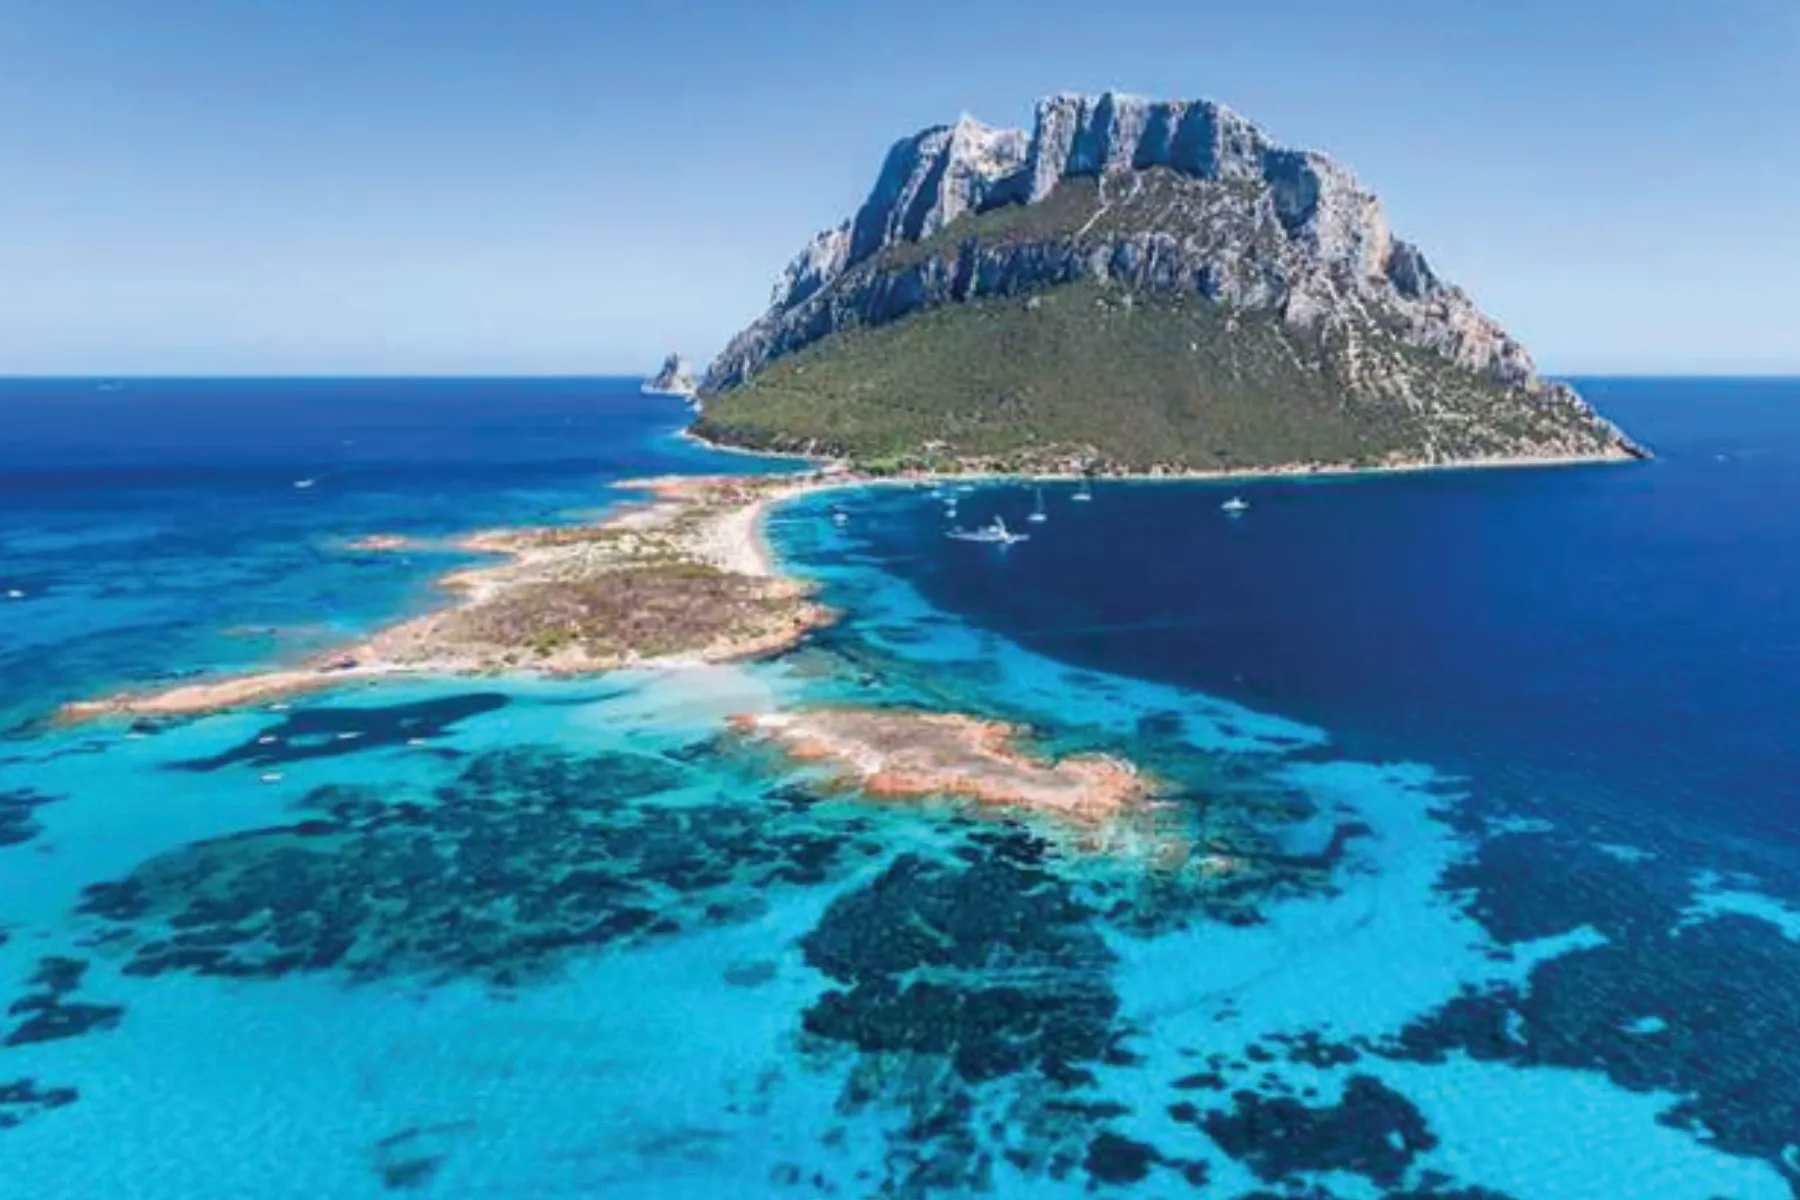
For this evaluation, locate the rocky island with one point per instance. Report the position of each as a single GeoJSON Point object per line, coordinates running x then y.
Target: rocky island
{"type": "Point", "coordinates": [902, 755]}
{"type": "Point", "coordinates": [675, 378]}
{"type": "Point", "coordinates": [1132, 286]}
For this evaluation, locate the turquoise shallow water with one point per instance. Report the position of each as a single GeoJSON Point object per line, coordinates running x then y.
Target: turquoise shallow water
{"type": "Point", "coordinates": [521, 938]}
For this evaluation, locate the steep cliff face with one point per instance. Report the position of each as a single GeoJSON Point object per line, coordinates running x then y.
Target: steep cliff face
{"type": "Point", "coordinates": [1170, 198]}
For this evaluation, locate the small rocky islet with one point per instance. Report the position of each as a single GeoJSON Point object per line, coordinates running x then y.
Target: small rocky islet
{"type": "Point", "coordinates": [674, 378]}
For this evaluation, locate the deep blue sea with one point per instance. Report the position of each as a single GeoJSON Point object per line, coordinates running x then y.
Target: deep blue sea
{"type": "Point", "coordinates": [1484, 784]}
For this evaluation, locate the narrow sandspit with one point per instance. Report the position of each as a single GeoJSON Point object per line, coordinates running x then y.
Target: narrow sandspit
{"type": "Point", "coordinates": [680, 579]}
{"type": "Point", "coordinates": [902, 754]}
{"type": "Point", "coordinates": [383, 543]}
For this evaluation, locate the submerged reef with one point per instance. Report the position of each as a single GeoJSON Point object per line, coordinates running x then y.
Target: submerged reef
{"type": "Point", "coordinates": [994, 965]}
{"type": "Point", "coordinates": [410, 1159]}
{"type": "Point", "coordinates": [977, 1000]}
{"type": "Point", "coordinates": [1372, 1131]}
{"type": "Point", "coordinates": [21, 1099]}
{"type": "Point", "coordinates": [967, 1001]}
{"type": "Point", "coordinates": [526, 855]}
{"type": "Point", "coordinates": [1668, 998]}
{"type": "Point", "coordinates": [46, 1014]}
{"type": "Point", "coordinates": [329, 731]}
{"type": "Point", "coordinates": [18, 820]}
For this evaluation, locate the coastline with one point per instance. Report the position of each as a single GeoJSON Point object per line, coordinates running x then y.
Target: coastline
{"type": "Point", "coordinates": [1620, 454]}
{"type": "Point", "coordinates": [693, 530]}
{"type": "Point", "coordinates": [684, 578]}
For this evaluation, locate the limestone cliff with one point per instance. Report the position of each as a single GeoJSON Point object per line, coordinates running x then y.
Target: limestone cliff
{"type": "Point", "coordinates": [1173, 201]}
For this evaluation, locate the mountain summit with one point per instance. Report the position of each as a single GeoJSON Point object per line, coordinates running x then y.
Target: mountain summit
{"type": "Point", "coordinates": [1140, 284]}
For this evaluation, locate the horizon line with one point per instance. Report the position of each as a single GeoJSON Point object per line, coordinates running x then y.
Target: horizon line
{"type": "Point", "coordinates": [147, 376]}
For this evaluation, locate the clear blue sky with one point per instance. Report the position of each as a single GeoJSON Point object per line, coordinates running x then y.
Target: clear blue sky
{"type": "Point", "coordinates": [563, 186]}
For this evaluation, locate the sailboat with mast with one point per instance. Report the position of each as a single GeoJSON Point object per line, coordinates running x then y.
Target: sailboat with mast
{"type": "Point", "coordinates": [1038, 514]}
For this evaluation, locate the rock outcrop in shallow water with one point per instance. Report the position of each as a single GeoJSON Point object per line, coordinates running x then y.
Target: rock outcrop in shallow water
{"type": "Point", "coordinates": [1164, 201]}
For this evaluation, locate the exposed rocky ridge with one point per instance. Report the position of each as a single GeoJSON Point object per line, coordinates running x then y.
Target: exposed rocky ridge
{"type": "Point", "coordinates": [1183, 198]}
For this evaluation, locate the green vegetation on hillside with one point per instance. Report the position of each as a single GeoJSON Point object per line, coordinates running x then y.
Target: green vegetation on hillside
{"type": "Point", "coordinates": [1134, 380]}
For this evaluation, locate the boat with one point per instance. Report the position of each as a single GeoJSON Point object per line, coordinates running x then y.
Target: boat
{"type": "Point", "coordinates": [840, 517]}
{"type": "Point", "coordinates": [1037, 512]}
{"type": "Point", "coordinates": [996, 533]}
{"type": "Point", "coordinates": [1235, 505]}
{"type": "Point", "coordinates": [1083, 492]}
{"type": "Point", "coordinates": [14, 594]}
{"type": "Point", "coordinates": [303, 484]}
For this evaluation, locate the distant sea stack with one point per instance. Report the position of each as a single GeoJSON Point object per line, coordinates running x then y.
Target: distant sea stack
{"type": "Point", "coordinates": [1135, 285]}
{"type": "Point", "coordinates": [676, 378]}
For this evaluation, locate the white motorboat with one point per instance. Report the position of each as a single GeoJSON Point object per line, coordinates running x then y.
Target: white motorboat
{"type": "Point", "coordinates": [1235, 505]}
{"type": "Point", "coordinates": [996, 533]}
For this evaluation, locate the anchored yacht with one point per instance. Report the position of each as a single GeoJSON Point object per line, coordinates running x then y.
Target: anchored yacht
{"type": "Point", "coordinates": [997, 533]}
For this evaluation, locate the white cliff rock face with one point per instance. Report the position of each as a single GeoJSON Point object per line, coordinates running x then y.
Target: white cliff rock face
{"type": "Point", "coordinates": [813, 268]}
{"type": "Point", "coordinates": [1112, 133]}
{"type": "Point", "coordinates": [932, 178]}
{"type": "Point", "coordinates": [1267, 228]}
